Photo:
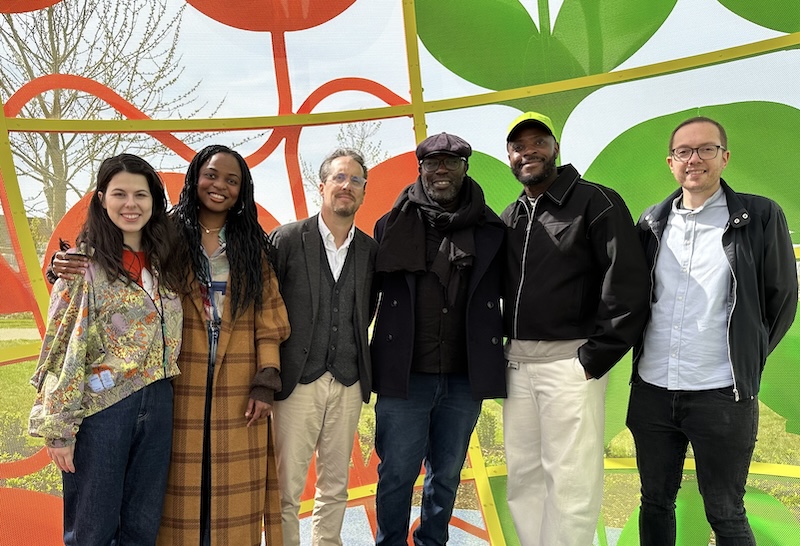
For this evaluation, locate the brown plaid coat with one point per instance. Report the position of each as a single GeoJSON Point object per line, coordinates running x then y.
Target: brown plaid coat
{"type": "Point", "coordinates": [244, 489]}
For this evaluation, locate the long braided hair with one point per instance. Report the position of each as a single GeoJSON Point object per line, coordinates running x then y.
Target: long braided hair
{"type": "Point", "coordinates": [247, 246]}
{"type": "Point", "coordinates": [159, 237]}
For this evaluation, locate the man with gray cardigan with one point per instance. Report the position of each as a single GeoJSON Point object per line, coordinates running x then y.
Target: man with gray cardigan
{"type": "Point", "coordinates": [325, 266]}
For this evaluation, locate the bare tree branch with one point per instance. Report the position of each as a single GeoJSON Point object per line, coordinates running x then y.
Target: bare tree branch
{"type": "Point", "coordinates": [359, 136]}
{"type": "Point", "coordinates": [129, 46]}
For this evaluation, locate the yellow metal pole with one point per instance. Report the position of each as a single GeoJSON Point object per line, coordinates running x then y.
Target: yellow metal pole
{"type": "Point", "coordinates": [484, 489]}
{"type": "Point", "coordinates": [18, 221]}
{"type": "Point", "coordinates": [414, 74]}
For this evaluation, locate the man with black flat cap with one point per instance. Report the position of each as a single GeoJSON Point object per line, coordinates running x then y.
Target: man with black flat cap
{"type": "Point", "coordinates": [437, 343]}
{"type": "Point", "coordinates": [577, 289]}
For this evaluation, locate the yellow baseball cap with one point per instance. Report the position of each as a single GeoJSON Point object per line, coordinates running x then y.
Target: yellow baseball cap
{"type": "Point", "coordinates": [530, 117]}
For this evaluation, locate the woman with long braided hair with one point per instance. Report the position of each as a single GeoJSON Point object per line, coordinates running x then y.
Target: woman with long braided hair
{"type": "Point", "coordinates": [222, 487]}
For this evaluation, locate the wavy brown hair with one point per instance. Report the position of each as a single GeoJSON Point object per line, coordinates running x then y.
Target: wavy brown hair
{"type": "Point", "coordinates": [105, 239]}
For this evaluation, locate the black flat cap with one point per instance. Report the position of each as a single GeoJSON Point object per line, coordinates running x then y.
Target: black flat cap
{"type": "Point", "coordinates": [443, 143]}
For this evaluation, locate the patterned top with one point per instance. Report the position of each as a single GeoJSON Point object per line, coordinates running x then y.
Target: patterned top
{"type": "Point", "coordinates": [104, 341]}
{"type": "Point", "coordinates": [218, 270]}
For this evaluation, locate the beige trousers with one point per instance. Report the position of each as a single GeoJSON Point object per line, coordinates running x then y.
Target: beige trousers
{"type": "Point", "coordinates": [320, 419]}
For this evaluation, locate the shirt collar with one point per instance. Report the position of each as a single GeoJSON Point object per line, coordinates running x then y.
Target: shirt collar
{"type": "Point", "coordinates": [717, 199]}
{"type": "Point", "coordinates": [327, 235]}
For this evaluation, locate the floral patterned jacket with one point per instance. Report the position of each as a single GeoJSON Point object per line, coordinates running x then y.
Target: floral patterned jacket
{"type": "Point", "coordinates": [104, 341]}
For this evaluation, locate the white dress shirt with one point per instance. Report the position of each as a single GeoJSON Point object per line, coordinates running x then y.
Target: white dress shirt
{"type": "Point", "coordinates": [336, 256]}
{"type": "Point", "coordinates": [685, 342]}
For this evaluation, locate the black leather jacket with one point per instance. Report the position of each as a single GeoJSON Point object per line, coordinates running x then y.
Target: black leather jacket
{"type": "Point", "coordinates": [763, 298]}
{"type": "Point", "coordinates": [575, 270]}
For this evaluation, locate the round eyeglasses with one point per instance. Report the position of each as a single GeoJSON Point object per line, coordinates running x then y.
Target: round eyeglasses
{"type": "Point", "coordinates": [684, 153]}
{"type": "Point", "coordinates": [355, 181]}
{"type": "Point", "coordinates": [451, 163]}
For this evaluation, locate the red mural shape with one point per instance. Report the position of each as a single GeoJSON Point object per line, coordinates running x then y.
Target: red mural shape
{"type": "Point", "coordinates": [17, 296]}
{"type": "Point", "coordinates": [30, 518]}
{"type": "Point", "coordinates": [272, 15]}
{"type": "Point", "coordinates": [24, 6]}
{"type": "Point", "coordinates": [385, 182]}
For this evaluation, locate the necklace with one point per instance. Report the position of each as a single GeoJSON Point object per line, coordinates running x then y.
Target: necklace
{"type": "Point", "coordinates": [207, 230]}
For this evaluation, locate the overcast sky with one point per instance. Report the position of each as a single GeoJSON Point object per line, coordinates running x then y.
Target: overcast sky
{"type": "Point", "coordinates": [367, 41]}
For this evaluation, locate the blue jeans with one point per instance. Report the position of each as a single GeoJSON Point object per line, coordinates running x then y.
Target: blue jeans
{"type": "Point", "coordinates": [121, 460]}
{"type": "Point", "coordinates": [723, 436]}
{"type": "Point", "coordinates": [434, 424]}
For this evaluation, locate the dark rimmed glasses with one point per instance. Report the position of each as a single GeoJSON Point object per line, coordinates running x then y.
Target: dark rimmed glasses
{"type": "Point", "coordinates": [684, 153]}
{"type": "Point", "coordinates": [451, 163]}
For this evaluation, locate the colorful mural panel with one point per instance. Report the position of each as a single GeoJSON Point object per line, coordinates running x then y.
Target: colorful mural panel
{"type": "Point", "coordinates": [285, 81]}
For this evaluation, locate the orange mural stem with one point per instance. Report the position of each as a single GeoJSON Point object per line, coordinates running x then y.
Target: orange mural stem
{"type": "Point", "coordinates": [32, 464]}
{"type": "Point", "coordinates": [266, 149]}
{"type": "Point", "coordinates": [468, 527]}
{"type": "Point", "coordinates": [295, 176]}
{"type": "Point", "coordinates": [350, 84]}
{"type": "Point", "coordinates": [49, 82]}
{"type": "Point", "coordinates": [362, 474]}
{"type": "Point", "coordinates": [292, 136]}
{"type": "Point", "coordinates": [282, 73]}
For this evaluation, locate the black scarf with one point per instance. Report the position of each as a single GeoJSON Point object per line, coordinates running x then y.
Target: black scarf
{"type": "Point", "coordinates": [402, 247]}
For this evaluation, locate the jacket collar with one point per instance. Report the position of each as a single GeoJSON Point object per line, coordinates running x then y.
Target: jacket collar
{"type": "Point", "coordinates": [558, 192]}
{"type": "Point", "coordinates": [739, 216]}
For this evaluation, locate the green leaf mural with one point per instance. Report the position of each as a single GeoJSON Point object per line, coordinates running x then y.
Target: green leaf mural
{"type": "Point", "coordinates": [764, 152]}
{"type": "Point", "coordinates": [499, 185]}
{"type": "Point", "coordinates": [617, 394]}
{"type": "Point", "coordinates": [496, 44]}
{"type": "Point", "coordinates": [780, 15]}
{"type": "Point", "coordinates": [772, 523]}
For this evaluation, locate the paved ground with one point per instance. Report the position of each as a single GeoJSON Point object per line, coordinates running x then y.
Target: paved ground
{"type": "Point", "coordinates": [356, 530]}
{"type": "Point", "coordinates": [20, 333]}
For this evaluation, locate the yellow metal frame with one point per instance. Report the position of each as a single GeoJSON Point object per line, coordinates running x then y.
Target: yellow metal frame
{"type": "Point", "coordinates": [417, 110]}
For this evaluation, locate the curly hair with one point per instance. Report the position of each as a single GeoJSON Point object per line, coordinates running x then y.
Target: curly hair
{"type": "Point", "coordinates": [105, 239]}
{"type": "Point", "coordinates": [247, 246]}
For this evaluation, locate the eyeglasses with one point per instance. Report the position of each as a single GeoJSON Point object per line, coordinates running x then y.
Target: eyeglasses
{"type": "Point", "coordinates": [684, 154]}
{"type": "Point", "coordinates": [355, 181]}
{"type": "Point", "coordinates": [431, 164]}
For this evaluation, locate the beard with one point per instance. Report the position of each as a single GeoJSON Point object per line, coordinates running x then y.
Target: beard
{"type": "Point", "coordinates": [345, 208]}
{"type": "Point", "coordinates": [444, 196]}
{"type": "Point", "coordinates": [548, 168]}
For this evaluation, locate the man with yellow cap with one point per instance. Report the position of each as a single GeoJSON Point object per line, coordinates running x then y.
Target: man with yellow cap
{"type": "Point", "coordinates": [577, 289]}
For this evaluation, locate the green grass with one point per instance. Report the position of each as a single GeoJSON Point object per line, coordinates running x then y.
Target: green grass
{"type": "Point", "coordinates": [15, 443]}
{"type": "Point", "coordinates": [17, 320]}
{"type": "Point", "coordinates": [17, 391]}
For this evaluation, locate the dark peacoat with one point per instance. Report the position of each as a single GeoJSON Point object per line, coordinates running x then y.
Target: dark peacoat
{"type": "Point", "coordinates": [393, 334]}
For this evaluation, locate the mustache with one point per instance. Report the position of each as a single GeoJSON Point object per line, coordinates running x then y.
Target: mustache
{"type": "Point", "coordinates": [533, 159]}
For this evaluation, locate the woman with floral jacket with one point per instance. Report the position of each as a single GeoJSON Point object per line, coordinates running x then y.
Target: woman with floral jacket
{"type": "Point", "coordinates": [104, 402]}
